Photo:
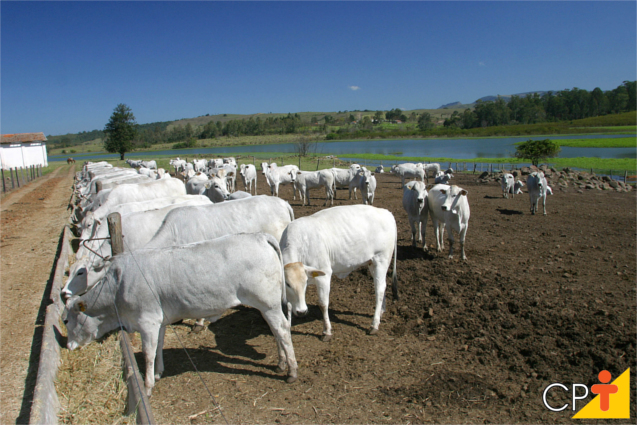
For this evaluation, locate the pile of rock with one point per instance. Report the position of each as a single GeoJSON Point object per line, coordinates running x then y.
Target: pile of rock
{"type": "Point", "coordinates": [562, 180]}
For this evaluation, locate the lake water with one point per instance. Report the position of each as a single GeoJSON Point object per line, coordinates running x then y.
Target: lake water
{"type": "Point", "coordinates": [445, 148]}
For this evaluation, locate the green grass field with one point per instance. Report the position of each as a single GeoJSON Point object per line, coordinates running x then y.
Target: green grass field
{"type": "Point", "coordinates": [618, 142]}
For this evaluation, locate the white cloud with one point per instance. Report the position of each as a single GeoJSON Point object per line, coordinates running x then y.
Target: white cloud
{"type": "Point", "coordinates": [354, 88]}
{"type": "Point", "coordinates": [481, 64]}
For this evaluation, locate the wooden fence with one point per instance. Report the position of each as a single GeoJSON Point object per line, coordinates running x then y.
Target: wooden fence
{"type": "Point", "coordinates": [19, 176]}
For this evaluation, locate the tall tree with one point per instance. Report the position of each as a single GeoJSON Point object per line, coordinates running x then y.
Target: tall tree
{"type": "Point", "coordinates": [120, 131]}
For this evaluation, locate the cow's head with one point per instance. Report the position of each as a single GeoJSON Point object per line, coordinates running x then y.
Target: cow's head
{"type": "Point", "coordinates": [217, 189]}
{"type": "Point", "coordinates": [264, 168]}
{"type": "Point", "coordinates": [83, 276]}
{"type": "Point", "coordinates": [296, 281]}
{"type": "Point", "coordinates": [81, 328]}
{"type": "Point", "coordinates": [453, 195]}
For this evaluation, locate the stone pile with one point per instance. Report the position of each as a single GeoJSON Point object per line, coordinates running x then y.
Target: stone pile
{"type": "Point", "coordinates": [562, 180]}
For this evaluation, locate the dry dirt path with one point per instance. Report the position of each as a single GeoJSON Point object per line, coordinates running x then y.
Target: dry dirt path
{"type": "Point", "coordinates": [31, 222]}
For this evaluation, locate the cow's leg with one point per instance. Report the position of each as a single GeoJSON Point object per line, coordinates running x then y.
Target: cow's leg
{"type": "Point", "coordinates": [451, 240]}
{"type": "Point", "coordinates": [424, 215]}
{"type": "Point", "coordinates": [199, 326]}
{"type": "Point", "coordinates": [412, 224]}
{"type": "Point", "coordinates": [280, 328]}
{"type": "Point", "coordinates": [463, 234]}
{"type": "Point", "coordinates": [378, 270]}
{"type": "Point", "coordinates": [437, 234]}
{"type": "Point", "coordinates": [159, 355]}
{"type": "Point", "coordinates": [544, 203]}
{"type": "Point", "coordinates": [323, 291]}
{"type": "Point", "coordinates": [150, 335]}
{"type": "Point", "coordinates": [307, 196]}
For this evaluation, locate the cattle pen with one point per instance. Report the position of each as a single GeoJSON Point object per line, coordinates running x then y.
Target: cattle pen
{"type": "Point", "coordinates": [468, 341]}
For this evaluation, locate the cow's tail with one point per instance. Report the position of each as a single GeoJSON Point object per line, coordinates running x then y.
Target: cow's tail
{"type": "Point", "coordinates": [394, 285]}
{"type": "Point", "coordinates": [284, 298]}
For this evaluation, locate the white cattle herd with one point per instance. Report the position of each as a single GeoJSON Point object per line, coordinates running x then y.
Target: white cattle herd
{"type": "Point", "coordinates": [194, 247]}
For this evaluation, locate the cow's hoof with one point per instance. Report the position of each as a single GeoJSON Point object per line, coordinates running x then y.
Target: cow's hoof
{"type": "Point", "coordinates": [373, 331]}
{"type": "Point", "coordinates": [291, 379]}
{"type": "Point", "coordinates": [280, 369]}
{"type": "Point", "coordinates": [197, 328]}
{"type": "Point", "coordinates": [326, 338]}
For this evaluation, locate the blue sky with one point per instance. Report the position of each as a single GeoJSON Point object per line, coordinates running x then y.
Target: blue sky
{"type": "Point", "coordinates": [66, 65]}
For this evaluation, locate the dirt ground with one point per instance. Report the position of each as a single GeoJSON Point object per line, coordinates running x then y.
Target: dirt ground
{"type": "Point", "coordinates": [540, 300]}
{"type": "Point", "coordinates": [31, 224]}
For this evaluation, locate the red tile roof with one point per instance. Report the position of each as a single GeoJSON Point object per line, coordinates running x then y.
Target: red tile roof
{"type": "Point", "coordinates": [23, 137]}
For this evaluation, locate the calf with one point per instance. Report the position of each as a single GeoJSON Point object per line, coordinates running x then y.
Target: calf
{"type": "Point", "coordinates": [148, 289]}
{"type": "Point", "coordinates": [537, 186]}
{"type": "Point", "coordinates": [443, 178]}
{"type": "Point", "coordinates": [448, 206]}
{"type": "Point", "coordinates": [517, 188]}
{"type": "Point", "coordinates": [338, 241]}
{"type": "Point", "coordinates": [508, 185]}
{"type": "Point", "coordinates": [415, 204]}
{"type": "Point", "coordinates": [306, 180]}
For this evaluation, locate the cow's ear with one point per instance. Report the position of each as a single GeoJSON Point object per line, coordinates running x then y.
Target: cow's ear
{"type": "Point", "coordinates": [298, 172]}
{"type": "Point", "coordinates": [230, 174]}
{"type": "Point", "coordinates": [312, 272]}
{"type": "Point", "coordinates": [81, 306]}
{"type": "Point", "coordinates": [463, 192]}
{"type": "Point", "coordinates": [413, 187]}
{"type": "Point", "coordinates": [443, 191]}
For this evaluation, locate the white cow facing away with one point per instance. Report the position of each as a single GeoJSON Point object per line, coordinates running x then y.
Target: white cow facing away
{"type": "Point", "coordinates": [306, 180]}
{"type": "Point", "coordinates": [337, 241]}
{"type": "Point", "coordinates": [449, 207]}
{"type": "Point", "coordinates": [152, 288]}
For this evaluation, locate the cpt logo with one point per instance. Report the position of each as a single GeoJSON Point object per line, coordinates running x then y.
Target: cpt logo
{"type": "Point", "coordinates": [612, 401]}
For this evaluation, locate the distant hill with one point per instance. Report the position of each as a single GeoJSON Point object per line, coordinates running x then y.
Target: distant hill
{"type": "Point", "coordinates": [507, 97]}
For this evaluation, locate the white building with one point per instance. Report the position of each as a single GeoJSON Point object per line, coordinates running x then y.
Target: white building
{"type": "Point", "coordinates": [23, 150]}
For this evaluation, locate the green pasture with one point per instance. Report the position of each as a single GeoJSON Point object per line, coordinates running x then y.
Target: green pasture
{"type": "Point", "coordinates": [618, 142]}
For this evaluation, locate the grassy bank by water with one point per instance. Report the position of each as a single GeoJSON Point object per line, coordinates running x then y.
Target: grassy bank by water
{"type": "Point", "coordinates": [618, 142]}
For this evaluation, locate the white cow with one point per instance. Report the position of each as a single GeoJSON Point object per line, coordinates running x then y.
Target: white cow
{"type": "Point", "coordinates": [537, 186]}
{"type": "Point", "coordinates": [196, 185]}
{"type": "Point", "coordinates": [517, 188]}
{"type": "Point", "coordinates": [138, 228]}
{"type": "Point", "coordinates": [380, 169]}
{"type": "Point", "coordinates": [508, 185]}
{"type": "Point", "coordinates": [415, 204]}
{"type": "Point", "coordinates": [338, 241]}
{"type": "Point", "coordinates": [179, 164]}
{"type": "Point", "coordinates": [433, 168]}
{"type": "Point", "coordinates": [368, 188]}
{"type": "Point", "coordinates": [215, 163]}
{"type": "Point", "coordinates": [199, 165]}
{"type": "Point", "coordinates": [147, 290]}
{"type": "Point", "coordinates": [448, 206]}
{"type": "Point", "coordinates": [306, 180]}
{"type": "Point", "coordinates": [443, 178]}
{"type": "Point", "coordinates": [410, 171]}
{"type": "Point", "coordinates": [277, 176]}
{"type": "Point", "coordinates": [148, 164]}
{"type": "Point", "coordinates": [343, 178]}
{"type": "Point", "coordinates": [249, 177]}
{"type": "Point", "coordinates": [216, 188]}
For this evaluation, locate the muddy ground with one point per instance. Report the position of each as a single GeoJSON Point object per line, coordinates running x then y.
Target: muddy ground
{"type": "Point", "coordinates": [541, 299]}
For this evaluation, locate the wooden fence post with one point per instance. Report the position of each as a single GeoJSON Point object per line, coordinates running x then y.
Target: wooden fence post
{"type": "Point", "coordinates": [299, 161]}
{"type": "Point", "coordinates": [4, 187]}
{"type": "Point", "coordinates": [115, 231]}
{"type": "Point", "coordinates": [12, 181]}
{"type": "Point", "coordinates": [625, 177]}
{"type": "Point", "coordinates": [318, 161]}
{"type": "Point", "coordinates": [17, 176]}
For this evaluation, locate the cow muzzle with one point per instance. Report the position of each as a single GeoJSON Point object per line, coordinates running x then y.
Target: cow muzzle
{"type": "Point", "coordinates": [299, 313]}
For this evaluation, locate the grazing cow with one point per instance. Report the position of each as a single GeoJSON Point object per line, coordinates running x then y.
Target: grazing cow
{"type": "Point", "coordinates": [277, 176]}
{"type": "Point", "coordinates": [415, 204]}
{"type": "Point", "coordinates": [508, 185]}
{"type": "Point", "coordinates": [338, 241]}
{"type": "Point", "coordinates": [448, 206]}
{"type": "Point", "coordinates": [146, 290]}
{"type": "Point", "coordinates": [537, 187]}
{"type": "Point", "coordinates": [306, 180]}
{"type": "Point", "coordinates": [368, 188]}
{"type": "Point", "coordinates": [517, 188]}
{"type": "Point", "coordinates": [410, 171]}
{"type": "Point", "coordinates": [249, 177]}
{"type": "Point", "coordinates": [380, 169]}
